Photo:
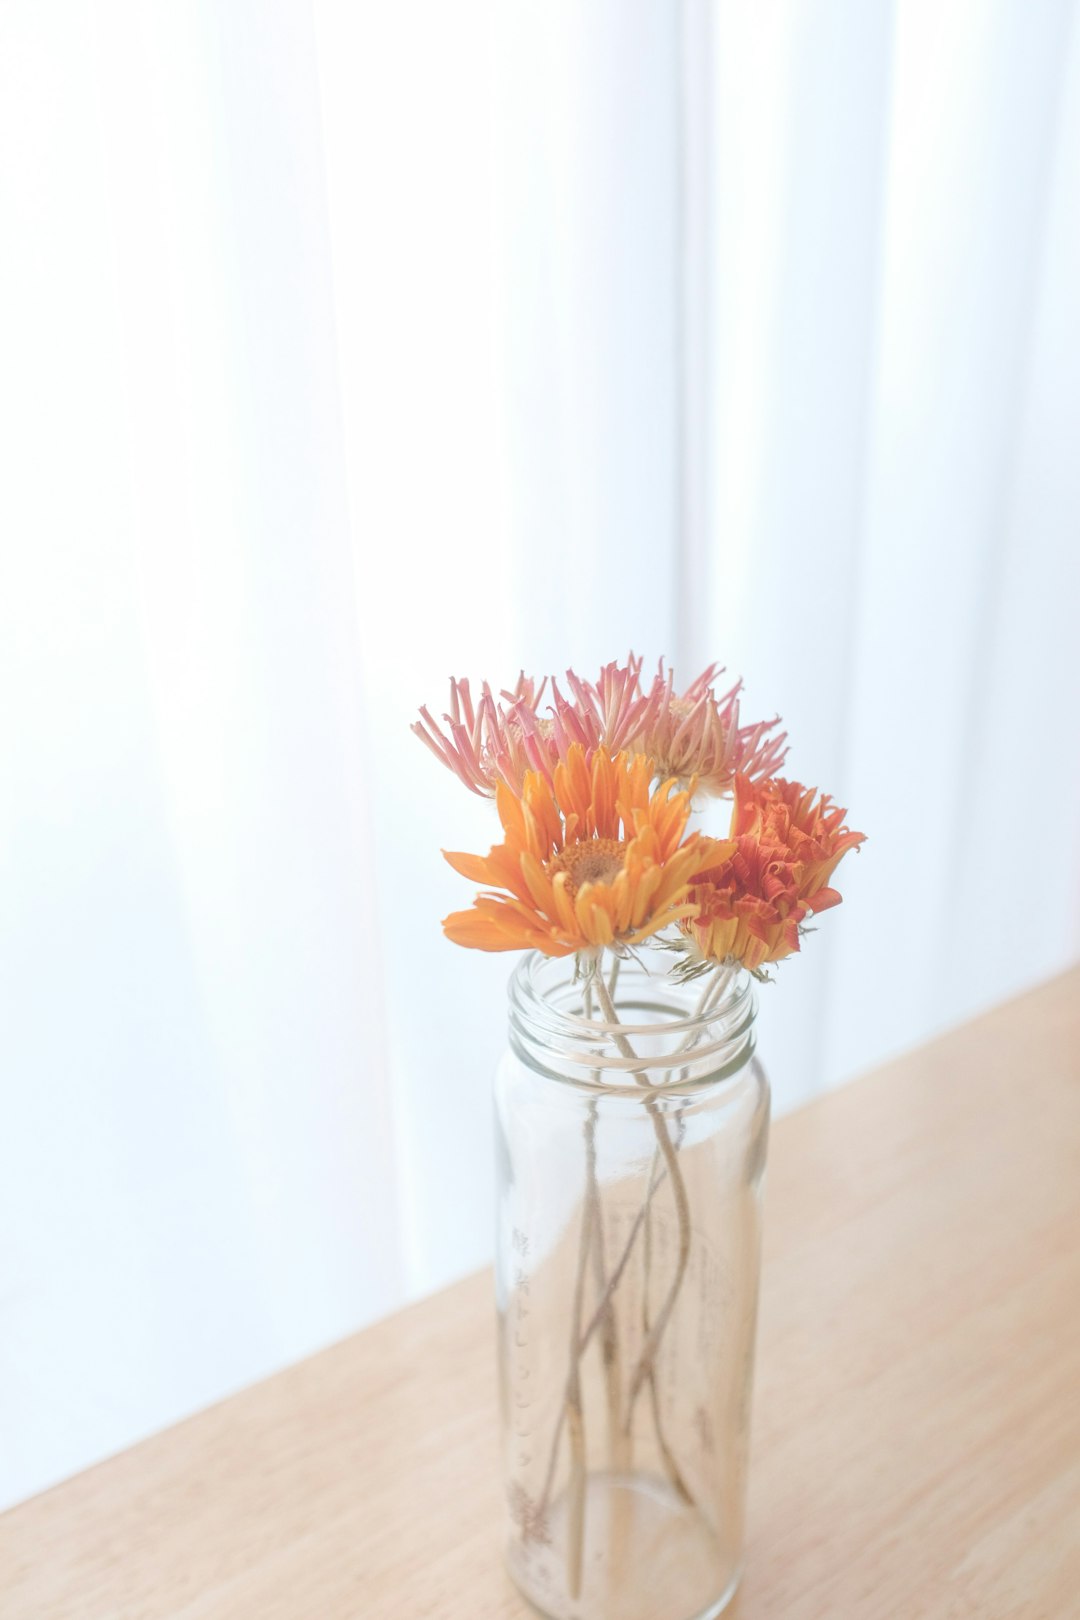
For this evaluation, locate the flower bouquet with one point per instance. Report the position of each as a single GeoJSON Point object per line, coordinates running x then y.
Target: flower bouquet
{"type": "Point", "coordinates": [631, 1112]}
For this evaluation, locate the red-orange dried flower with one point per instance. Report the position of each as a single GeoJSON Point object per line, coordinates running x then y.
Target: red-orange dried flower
{"type": "Point", "coordinates": [787, 845]}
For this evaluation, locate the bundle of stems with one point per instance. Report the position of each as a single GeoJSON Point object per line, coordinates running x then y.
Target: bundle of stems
{"type": "Point", "coordinates": [591, 1250]}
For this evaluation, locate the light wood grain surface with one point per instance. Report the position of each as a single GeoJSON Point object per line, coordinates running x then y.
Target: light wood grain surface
{"type": "Point", "coordinates": [916, 1448]}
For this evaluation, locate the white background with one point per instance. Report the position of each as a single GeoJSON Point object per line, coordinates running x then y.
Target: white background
{"type": "Point", "coordinates": [347, 346]}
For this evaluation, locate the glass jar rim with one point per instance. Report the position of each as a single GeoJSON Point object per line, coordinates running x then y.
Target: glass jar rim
{"type": "Point", "coordinates": [686, 1050]}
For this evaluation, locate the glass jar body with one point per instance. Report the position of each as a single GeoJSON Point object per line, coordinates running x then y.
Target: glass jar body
{"type": "Point", "coordinates": [630, 1166]}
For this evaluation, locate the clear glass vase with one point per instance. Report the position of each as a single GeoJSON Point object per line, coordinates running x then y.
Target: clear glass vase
{"type": "Point", "coordinates": [630, 1163]}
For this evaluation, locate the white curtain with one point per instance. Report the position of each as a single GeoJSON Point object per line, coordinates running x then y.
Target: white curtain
{"type": "Point", "coordinates": [348, 347]}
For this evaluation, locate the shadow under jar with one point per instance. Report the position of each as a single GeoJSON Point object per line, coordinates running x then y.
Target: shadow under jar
{"type": "Point", "coordinates": [631, 1152]}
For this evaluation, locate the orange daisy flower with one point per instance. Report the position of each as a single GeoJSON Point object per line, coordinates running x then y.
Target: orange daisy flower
{"type": "Point", "coordinates": [590, 859]}
{"type": "Point", "coordinates": [785, 849]}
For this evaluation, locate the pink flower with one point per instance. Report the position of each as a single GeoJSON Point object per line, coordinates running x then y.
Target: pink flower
{"type": "Point", "coordinates": [485, 742]}
{"type": "Point", "coordinates": [697, 734]}
{"type": "Point", "coordinates": [610, 714]}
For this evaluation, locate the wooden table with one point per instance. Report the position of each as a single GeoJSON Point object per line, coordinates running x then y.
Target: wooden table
{"type": "Point", "coordinates": [916, 1445]}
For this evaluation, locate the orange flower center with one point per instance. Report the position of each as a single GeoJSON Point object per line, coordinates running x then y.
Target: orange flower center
{"type": "Point", "coordinates": [597, 860]}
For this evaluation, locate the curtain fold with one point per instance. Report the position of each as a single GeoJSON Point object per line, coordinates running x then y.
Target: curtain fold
{"type": "Point", "coordinates": [799, 132]}
{"type": "Point", "coordinates": [976, 345]}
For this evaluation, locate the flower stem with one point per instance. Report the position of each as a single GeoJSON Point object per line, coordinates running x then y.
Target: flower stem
{"type": "Point", "coordinates": [674, 1471]}
{"type": "Point", "coordinates": [624, 1259]}
{"type": "Point", "coordinates": [575, 1416]}
{"type": "Point", "coordinates": [715, 985]}
{"type": "Point", "coordinates": [647, 1358]}
{"type": "Point", "coordinates": [609, 1335]}
{"type": "Point", "coordinates": [714, 989]}
{"type": "Point", "coordinates": [604, 1317]}
{"type": "Point", "coordinates": [591, 1236]}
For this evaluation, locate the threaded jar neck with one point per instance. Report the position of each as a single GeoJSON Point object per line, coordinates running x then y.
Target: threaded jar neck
{"type": "Point", "coordinates": [669, 1036]}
